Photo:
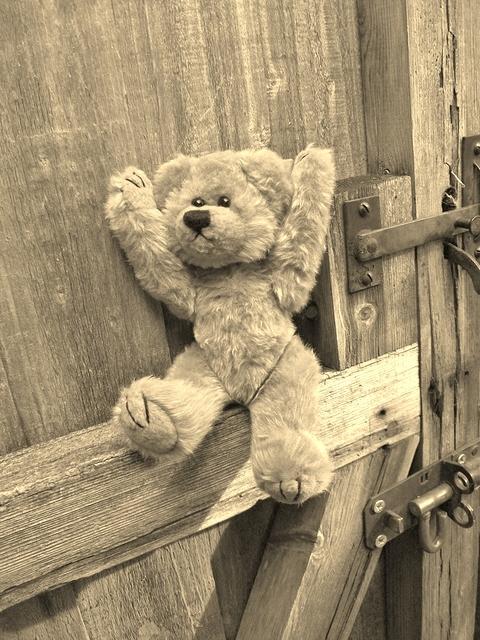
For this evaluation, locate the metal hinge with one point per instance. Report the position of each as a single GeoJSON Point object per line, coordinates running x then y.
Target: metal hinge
{"type": "Point", "coordinates": [366, 241]}
{"type": "Point", "coordinates": [434, 493]}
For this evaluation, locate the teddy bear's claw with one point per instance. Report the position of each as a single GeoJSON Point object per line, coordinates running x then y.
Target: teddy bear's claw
{"type": "Point", "coordinates": [290, 491]}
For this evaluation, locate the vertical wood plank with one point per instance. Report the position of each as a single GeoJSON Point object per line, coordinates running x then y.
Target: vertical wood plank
{"type": "Point", "coordinates": [239, 546]}
{"type": "Point", "coordinates": [413, 124]}
{"type": "Point", "coordinates": [354, 327]}
{"type": "Point", "coordinates": [50, 616]}
{"type": "Point", "coordinates": [166, 594]}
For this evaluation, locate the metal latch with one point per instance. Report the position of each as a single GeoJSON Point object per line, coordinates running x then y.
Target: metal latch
{"type": "Point", "coordinates": [432, 494]}
{"type": "Point", "coordinates": [366, 241]}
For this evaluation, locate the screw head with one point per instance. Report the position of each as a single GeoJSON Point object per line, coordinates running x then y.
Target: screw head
{"type": "Point", "coordinates": [381, 540]}
{"type": "Point", "coordinates": [461, 458]}
{"type": "Point", "coordinates": [474, 226]}
{"type": "Point", "coordinates": [364, 209]}
{"type": "Point", "coordinates": [366, 279]}
{"type": "Point", "coordinates": [476, 253]}
{"type": "Point", "coordinates": [378, 506]}
{"type": "Point", "coordinates": [476, 149]}
{"type": "Point", "coordinates": [311, 311]}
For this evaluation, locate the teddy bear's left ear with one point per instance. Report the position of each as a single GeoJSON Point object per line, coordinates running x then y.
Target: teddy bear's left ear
{"type": "Point", "coordinates": [270, 174]}
{"type": "Point", "coordinates": [170, 175]}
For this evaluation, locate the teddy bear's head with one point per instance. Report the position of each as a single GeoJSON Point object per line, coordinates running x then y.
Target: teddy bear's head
{"type": "Point", "coordinates": [224, 207]}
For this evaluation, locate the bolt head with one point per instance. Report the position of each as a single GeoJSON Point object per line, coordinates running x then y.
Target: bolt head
{"type": "Point", "coordinates": [461, 458]}
{"type": "Point", "coordinates": [381, 540]}
{"type": "Point", "coordinates": [476, 149]}
{"type": "Point", "coordinates": [366, 279]}
{"type": "Point", "coordinates": [378, 506]}
{"type": "Point", "coordinates": [477, 253]}
{"type": "Point", "coordinates": [461, 481]}
{"type": "Point", "coordinates": [364, 209]}
{"type": "Point", "coordinates": [372, 246]}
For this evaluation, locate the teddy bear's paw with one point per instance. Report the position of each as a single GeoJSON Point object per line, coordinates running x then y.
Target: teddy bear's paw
{"type": "Point", "coordinates": [130, 190]}
{"type": "Point", "coordinates": [313, 158]}
{"type": "Point", "coordinates": [293, 467]}
{"type": "Point", "coordinates": [146, 424]}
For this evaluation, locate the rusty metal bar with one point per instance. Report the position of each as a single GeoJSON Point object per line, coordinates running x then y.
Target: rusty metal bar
{"type": "Point", "coordinates": [371, 244]}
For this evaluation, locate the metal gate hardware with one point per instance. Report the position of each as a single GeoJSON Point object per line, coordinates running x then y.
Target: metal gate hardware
{"type": "Point", "coordinates": [358, 216]}
{"type": "Point", "coordinates": [366, 241]}
{"type": "Point", "coordinates": [434, 493]}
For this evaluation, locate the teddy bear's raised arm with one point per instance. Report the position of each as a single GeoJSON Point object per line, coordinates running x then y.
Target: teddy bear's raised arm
{"type": "Point", "coordinates": [298, 250]}
{"type": "Point", "coordinates": [143, 234]}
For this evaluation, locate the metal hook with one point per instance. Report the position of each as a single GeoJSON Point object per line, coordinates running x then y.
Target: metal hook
{"type": "Point", "coordinates": [429, 544]}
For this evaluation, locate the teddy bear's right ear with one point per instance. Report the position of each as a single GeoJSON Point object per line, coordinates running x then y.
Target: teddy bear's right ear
{"type": "Point", "coordinates": [169, 176]}
{"type": "Point", "coordinates": [270, 174]}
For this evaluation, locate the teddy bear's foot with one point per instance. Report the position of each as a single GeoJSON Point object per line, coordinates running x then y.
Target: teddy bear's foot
{"type": "Point", "coordinates": [144, 420]}
{"type": "Point", "coordinates": [172, 415]}
{"type": "Point", "coordinates": [291, 467]}
{"type": "Point", "coordinates": [129, 190]}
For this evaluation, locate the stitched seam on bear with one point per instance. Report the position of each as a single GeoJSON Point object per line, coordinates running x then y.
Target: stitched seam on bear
{"type": "Point", "coordinates": [269, 374]}
{"type": "Point", "coordinates": [217, 378]}
{"type": "Point", "coordinates": [262, 384]}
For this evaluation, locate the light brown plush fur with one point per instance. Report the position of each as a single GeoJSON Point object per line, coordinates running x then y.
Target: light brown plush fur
{"type": "Point", "coordinates": [238, 280]}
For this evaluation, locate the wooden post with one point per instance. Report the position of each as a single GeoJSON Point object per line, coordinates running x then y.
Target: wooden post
{"type": "Point", "coordinates": [418, 67]}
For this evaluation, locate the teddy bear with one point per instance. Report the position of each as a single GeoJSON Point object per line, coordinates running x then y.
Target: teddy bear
{"type": "Point", "coordinates": [232, 241]}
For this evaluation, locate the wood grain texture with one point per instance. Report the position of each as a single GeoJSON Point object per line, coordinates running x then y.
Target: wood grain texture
{"type": "Point", "coordinates": [355, 327]}
{"type": "Point", "coordinates": [316, 568]}
{"type": "Point", "coordinates": [414, 125]}
{"type": "Point", "coordinates": [83, 502]}
{"type": "Point", "coordinates": [178, 603]}
{"type": "Point", "coordinates": [87, 88]}
{"type": "Point", "coordinates": [239, 545]}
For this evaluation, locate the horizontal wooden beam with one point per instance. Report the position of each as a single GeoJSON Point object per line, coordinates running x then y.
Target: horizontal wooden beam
{"type": "Point", "coordinates": [76, 505]}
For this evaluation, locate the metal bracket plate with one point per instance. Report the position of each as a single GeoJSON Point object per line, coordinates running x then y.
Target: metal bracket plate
{"type": "Point", "coordinates": [361, 215]}
{"type": "Point", "coordinates": [387, 515]}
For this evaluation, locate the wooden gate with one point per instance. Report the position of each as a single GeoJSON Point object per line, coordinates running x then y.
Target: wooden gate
{"type": "Point", "coordinates": [97, 544]}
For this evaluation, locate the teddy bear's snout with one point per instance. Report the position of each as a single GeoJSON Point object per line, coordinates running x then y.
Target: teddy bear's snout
{"type": "Point", "coordinates": [197, 220]}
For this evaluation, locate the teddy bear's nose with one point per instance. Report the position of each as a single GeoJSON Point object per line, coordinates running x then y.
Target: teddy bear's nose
{"type": "Point", "coordinates": [197, 220]}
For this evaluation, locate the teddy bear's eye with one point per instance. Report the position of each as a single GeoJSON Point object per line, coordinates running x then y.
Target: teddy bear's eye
{"type": "Point", "coordinates": [223, 201]}
{"type": "Point", "coordinates": [198, 202]}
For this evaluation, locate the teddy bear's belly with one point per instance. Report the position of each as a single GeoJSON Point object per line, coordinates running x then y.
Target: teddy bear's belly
{"type": "Point", "coordinates": [242, 340]}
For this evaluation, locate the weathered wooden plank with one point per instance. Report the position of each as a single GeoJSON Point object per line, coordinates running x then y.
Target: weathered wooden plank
{"type": "Point", "coordinates": [50, 616]}
{"type": "Point", "coordinates": [371, 619]}
{"type": "Point", "coordinates": [178, 603]}
{"type": "Point", "coordinates": [83, 502]}
{"type": "Point", "coordinates": [416, 101]}
{"type": "Point", "coordinates": [316, 568]}
{"type": "Point", "coordinates": [355, 327]}
{"type": "Point", "coordinates": [238, 549]}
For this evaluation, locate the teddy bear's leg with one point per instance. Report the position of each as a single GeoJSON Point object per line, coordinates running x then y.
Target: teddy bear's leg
{"type": "Point", "coordinates": [289, 459]}
{"type": "Point", "coordinates": [175, 413]}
